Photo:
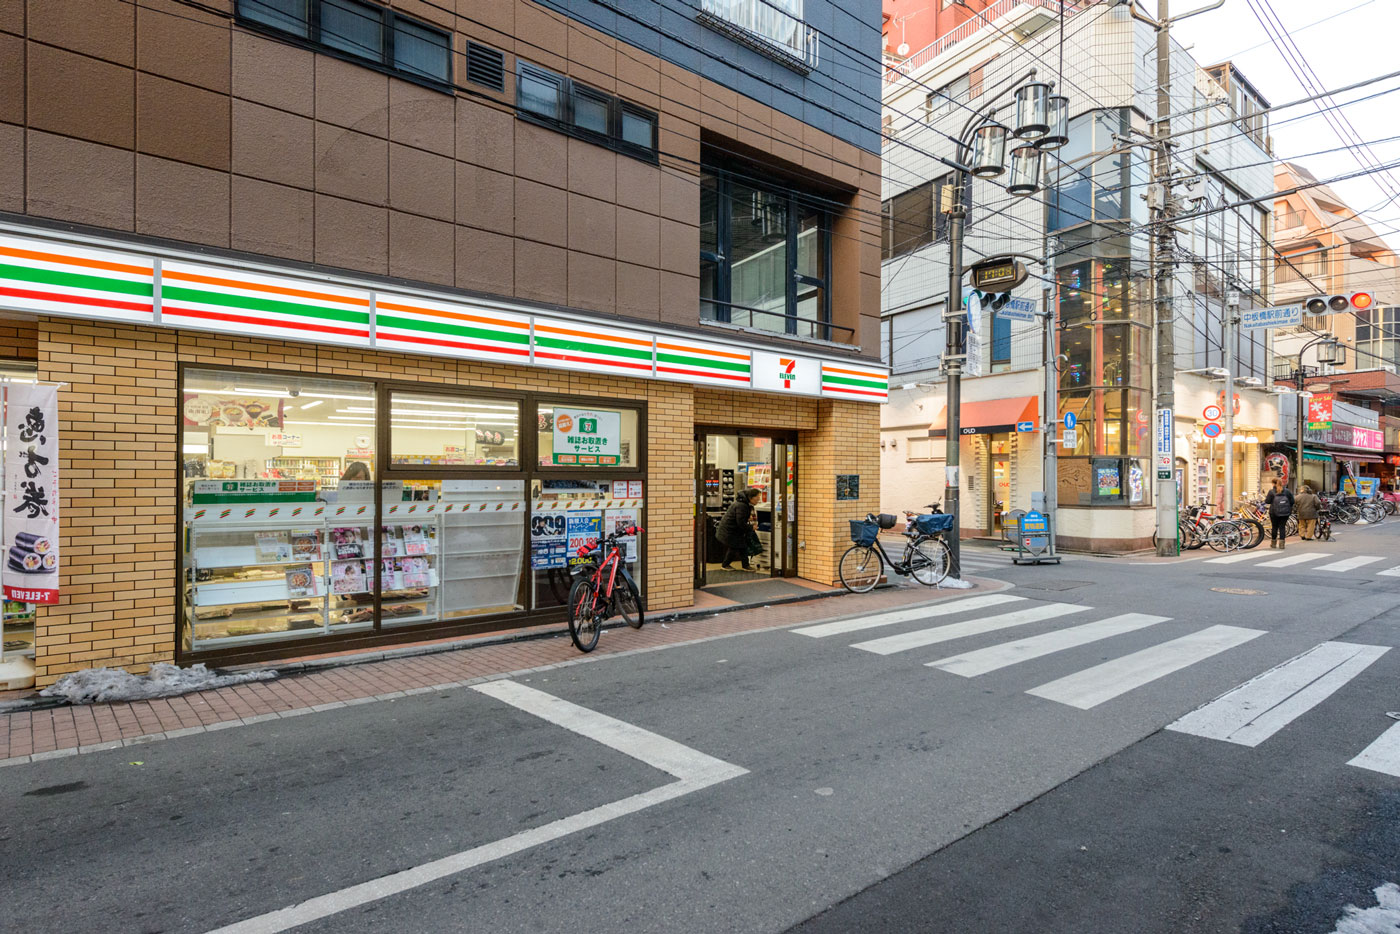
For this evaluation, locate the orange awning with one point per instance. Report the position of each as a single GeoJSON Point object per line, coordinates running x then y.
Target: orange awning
{"type": "Point", "coordinates": [993, 416]}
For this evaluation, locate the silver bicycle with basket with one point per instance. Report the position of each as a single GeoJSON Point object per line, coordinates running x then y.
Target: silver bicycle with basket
{"type": "Point", "coordinates": [926, 557]}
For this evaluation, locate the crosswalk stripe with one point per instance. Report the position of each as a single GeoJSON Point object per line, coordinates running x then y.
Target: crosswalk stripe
{"type": "Point", "coordinates": [1291, 560]}
{"type": "Point", "coordinates": [1348, 564]}
{"type": "Point", "coordinates": [1093, 686]}
{"type": "Point", "coordinates": [1231, 559]}
{"type": "Point", "coordinates": [981, 661]}
{"type": "Point", "coordinates": [1259, 708]}
{"type": "Point", "coordinates": [922, 637]}
{"type": "Point", "coordinates": [840, 626]}
{"type": "Point", "coordinates": [1383, 755]}
{"type": "Point", "coordinates": [1393, 572]}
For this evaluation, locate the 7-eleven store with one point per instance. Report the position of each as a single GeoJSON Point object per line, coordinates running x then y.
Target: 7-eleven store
{"type": "Point", "coordinates": [260, 462]}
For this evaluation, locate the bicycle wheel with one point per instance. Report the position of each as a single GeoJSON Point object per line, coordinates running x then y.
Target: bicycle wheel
{"type": "Point", "coordinates": [583, 614]}
{"type": "Point", "coordinates": [1198, 537]}
{"type": "Point", "coordinates": [629, 604]}
{"type": "Point", "coordinates": [1348, 514]}
{"type": "Point", "coordinates": [1372, 513]}
{"type": "Point", "coordinates": [1389, 506]}
{"type": "Point", "coordinates": [860, 568]}
{"type": "Point", "coordinates": [1254, 531]}
{"type": "Point", "coordinates": [1225, 536]}
{"type": "Point", "coordinates": [1290, 528]}
{"type": "Point", "coordinates": [929, 560]}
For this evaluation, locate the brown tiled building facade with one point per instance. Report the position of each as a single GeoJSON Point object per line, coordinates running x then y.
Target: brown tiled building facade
{"type": "Point", "coordinates": [188, 130]}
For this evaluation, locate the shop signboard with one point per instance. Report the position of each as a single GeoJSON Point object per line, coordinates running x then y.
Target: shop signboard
{"type": "Point", "coordinates": [31, 493]}
{"type": "Point", "coordinates": [254, 491]}
{"type": "Point", "coordinates": [1320, 410]}
{"type": "Point", "coordinates": [231, 410]}
{"type": "Point", "coordinates": [781, 372]}
{"type": "Point", "coordinates": [587, 436]}
{"type": "Point", "coordinates": [1350, 436]}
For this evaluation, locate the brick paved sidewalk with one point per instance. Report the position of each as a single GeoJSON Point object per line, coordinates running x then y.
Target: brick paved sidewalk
{"type": "Point", "coordinates": [34, 735]}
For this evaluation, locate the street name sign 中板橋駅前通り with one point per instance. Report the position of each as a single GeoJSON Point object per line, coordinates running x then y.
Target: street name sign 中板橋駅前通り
{"type": "Point", "coordinates": [1279, 316]}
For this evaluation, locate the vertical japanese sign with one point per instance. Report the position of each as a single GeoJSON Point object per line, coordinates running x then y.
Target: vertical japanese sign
{"type": "Point", "coordinates": [1320, 411]}
{"type": "Point", "coordinates": [31, 498]}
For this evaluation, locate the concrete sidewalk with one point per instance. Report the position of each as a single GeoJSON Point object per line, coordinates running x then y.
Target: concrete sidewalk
{"type": "Point", "coordinates": [37, 734]}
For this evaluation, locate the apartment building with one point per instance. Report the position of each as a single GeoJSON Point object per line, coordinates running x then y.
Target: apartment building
{"type": "Point", "coordinates": [1325, 249]}
{"type": "Point", "coordinates": [1087, 216]}
{"type": "Point", "coordinates": [364, 316]}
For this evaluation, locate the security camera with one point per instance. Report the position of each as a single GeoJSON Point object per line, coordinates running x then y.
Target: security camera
{"type": "Point", "coordinates": [295, 392]}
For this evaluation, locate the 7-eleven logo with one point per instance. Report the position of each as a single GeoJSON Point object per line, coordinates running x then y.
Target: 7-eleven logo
{"type": "Point", "coordinates": [788, 372]}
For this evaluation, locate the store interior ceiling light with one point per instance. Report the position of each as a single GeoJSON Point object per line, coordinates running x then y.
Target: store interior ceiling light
{"type": "Point", "coordinates": [312, 405]}
{"type": "Point", "coordinates": [414, 400]}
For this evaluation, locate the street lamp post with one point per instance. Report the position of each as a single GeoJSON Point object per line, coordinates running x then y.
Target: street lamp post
{"type": "Point", "coordinates": [1335, 354]}
{"type": "Point", "coordinates": [1041, 124]}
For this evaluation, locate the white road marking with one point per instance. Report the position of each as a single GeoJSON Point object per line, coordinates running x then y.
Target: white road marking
{"type": "Point", "coordinates": [1093, 686]}
{"type": "Point", "coordinates": [1393, 572]}
{"type": "Point", "coordinates": [1290, 560]}
{"type": "Point", "coordinates": [1231, 559]}
{"type": "Point", "coordinates": [1383, 755]}
{"type": "Point", "coordinates": [981, 661]}
{"type": "Point", "coordinates": [694, 769]}
{"type": "Point", "coordinates": [922, 637]}
{"type": "Point", "coordinates": [1347, 564]}
{"type": "Point", "coordinates": [1382, 919]}
{"type": "Point", "coordinates": [903, 616]}
{"type": "Point", "coordinates": [1259, 708]}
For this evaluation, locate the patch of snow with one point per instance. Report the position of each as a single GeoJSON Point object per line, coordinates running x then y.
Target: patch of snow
{"type": "Point", "coordinates": [1382, 919]}
{"type": "Point", "coordinates": [953, 583]}
{"type": "Point", "coordinates": [104, 685]}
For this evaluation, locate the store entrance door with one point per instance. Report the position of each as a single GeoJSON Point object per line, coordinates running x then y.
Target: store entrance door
{"type": "Point", "coordinates": [725, 465]}
{"type": "Point", "coordinates": [999, 503]}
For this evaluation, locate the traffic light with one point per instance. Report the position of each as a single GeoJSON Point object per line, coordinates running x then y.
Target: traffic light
{"type": "Point", "coordinates": [994, 300]}
{"type": "Point", "coordinates": [1336, 304]}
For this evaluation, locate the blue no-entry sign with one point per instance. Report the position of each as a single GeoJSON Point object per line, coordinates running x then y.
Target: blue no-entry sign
{"type": "Point", "coordinates": [1070, 420]}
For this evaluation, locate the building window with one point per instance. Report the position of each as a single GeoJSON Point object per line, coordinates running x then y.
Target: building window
{"type": "Point", "coordinates": [915, 218]}
{"type": "Point", "coordinates": [581, 437]}
{"type": "Point", "coordinates": [1088, 189]}
{"type": "Point", "coordinates": [368, 33]}
{"type": "Point", "coordinates": [765, 257]}
{"type": "Point", "coordinates": [581, 111]}
{"type": "Point", "coordinates": [452, 431]}
{"type": "Point", "coordinates": [1001, 342]}
{"type": "Point", "coordinates": [1378, 338]}
{"type": "Point", "coordinates": [773, 28]}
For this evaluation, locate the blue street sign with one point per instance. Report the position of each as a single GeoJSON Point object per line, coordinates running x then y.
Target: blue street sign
{"type": "Point", "coordinates": [1025, 426]}
{"type": "Point", "coordinates": [1212, 430]}
{"type": "Point", "coordinates": [1034, 523]}
{"type": "Point", "coordinates": [1070, 420]}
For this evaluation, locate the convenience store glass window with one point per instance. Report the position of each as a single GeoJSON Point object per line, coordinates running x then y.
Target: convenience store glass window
{"type": "Point", "coordinates": [584, 436]}
{"type": "Point", "coordinates": [267, 458]}
{"type": "Point", "coordinates": [439, 430]}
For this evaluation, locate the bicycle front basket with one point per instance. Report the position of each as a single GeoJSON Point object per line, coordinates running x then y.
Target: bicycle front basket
{"type": "Point", "coordinates": [863, 532]}
{"type": "Point", "coordinates": [933, 524]}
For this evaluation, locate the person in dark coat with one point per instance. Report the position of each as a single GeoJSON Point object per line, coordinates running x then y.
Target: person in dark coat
{"type": "Point", "coordinates": [733, 529]}
{"type": "Point", "coordinates": [1280, 503]}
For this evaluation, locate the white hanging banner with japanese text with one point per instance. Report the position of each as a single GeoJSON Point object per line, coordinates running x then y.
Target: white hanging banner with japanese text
{"type": "Point", "coordinates": [31, 493]}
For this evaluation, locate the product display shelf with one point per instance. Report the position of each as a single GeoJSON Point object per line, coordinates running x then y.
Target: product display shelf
{"type": "Point", "coordinates": [18, 629]}
{"type": "Point", "coordinates": [399, 603]}
{"type": "Point", "coordinates": [236, 587]}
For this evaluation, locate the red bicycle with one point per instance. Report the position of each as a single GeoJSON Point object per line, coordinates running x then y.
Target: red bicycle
{"type": "Point", "coordinates": [603, 588]}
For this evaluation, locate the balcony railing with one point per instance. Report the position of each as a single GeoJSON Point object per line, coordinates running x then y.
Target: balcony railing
{"type": "Point", "coordinates": [779, 323]}
{"type": "Point", "coordinates": [896, 68]}
{"type": "Point", "coordinates": [773, 28]}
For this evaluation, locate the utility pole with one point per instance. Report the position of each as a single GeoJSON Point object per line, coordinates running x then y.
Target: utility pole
{"type": "Point", "coordinates": [1232, 311]}
{"type": "Point", "coordinates": [1164, 260]}
{"type": "Point", "coordinates": [1164, 263]}
{"type": "Point", "coordinates": [954, 355]}
{"type": "Point", "coordinates": [1050, 417]}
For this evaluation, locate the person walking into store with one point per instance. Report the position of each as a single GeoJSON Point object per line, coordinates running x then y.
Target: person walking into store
{"type": "Point", "coordinates": [1307, 513]}
{"type": "Point", "coordinates": [1280, 503]}
{"type": "Point", "coordinates": [733, 530]}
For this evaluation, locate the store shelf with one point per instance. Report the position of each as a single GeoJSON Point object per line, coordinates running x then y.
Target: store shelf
{"type": "Point", "coordinates": [211, 557]}
{"type": "Point", "coordinates": [232, 593]}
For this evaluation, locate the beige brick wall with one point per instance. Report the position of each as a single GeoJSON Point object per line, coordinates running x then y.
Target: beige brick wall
{"type": "Point", "coordinates": [845, 440]}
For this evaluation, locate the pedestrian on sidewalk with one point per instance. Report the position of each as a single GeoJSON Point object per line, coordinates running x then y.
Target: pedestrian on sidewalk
{"type": "Point", "coordinates": [733, 530]}
{"type": "Point", "coordinates": [1307, 513]}
{"type": "Point", "coordinates": [1280, 503]}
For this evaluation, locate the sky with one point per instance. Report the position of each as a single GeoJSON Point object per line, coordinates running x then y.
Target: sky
{"type": "Point", "coordinates": [1345, 41]}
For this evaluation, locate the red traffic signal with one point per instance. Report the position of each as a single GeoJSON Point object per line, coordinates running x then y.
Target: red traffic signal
{"type": "Point", "coordinates": [1362, 300]}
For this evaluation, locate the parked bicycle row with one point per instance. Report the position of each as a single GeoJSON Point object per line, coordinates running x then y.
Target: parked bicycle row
{"type": "Point", "coordinates": [1309, 516]}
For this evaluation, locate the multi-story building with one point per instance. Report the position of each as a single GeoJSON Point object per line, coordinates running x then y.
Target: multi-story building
{"type": "Point", "coordinates": [365, 314]}
{"type": "Point", "coordinates": [1090, 219]}
{"type": "Point", "coordinates": [1325, 249]}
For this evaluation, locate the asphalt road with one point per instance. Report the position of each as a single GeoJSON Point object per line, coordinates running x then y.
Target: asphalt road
{"type": "Point", "coordinates": [816, 784]}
